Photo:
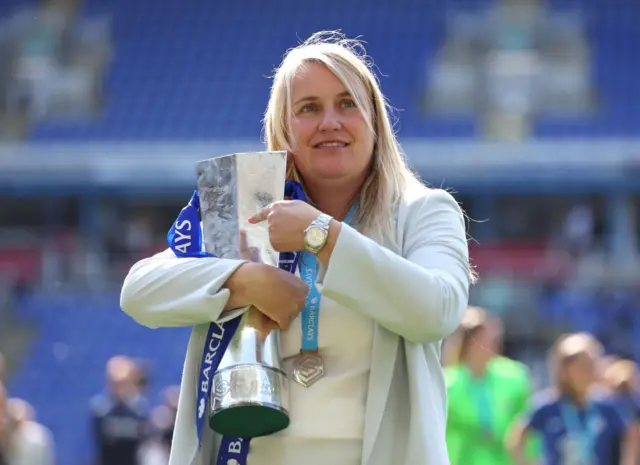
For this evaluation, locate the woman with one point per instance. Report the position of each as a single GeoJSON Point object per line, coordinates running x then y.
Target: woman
{"type": "Point", "coordinates": [393, 283]}
{"type": "Point", "coordinates": [577, 426]}
{"type": "Point", "coordinates": [487, 393]}
{"type": "Point", "coordinates": [621, 381]}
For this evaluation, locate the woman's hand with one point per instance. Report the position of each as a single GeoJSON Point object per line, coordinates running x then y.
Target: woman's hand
{"type": "Point", "coordinates": [287, 220]}
{"type": "Point", "coordinates": [246, 252]}
{"type": "Point", "coordinates": [276, 293]}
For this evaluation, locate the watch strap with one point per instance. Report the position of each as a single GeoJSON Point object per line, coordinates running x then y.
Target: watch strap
{"type": "Point", "coordinates": [323, 220]}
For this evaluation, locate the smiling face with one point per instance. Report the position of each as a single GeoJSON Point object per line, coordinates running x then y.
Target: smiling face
{"type": "Point", "coordinates": [331, 138]}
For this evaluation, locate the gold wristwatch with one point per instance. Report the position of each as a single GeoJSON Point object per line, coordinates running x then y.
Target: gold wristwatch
{"type": "Point", "coordinates": [315, 236]}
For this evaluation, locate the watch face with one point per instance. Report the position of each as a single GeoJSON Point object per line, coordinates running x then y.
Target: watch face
{"type": "Point", "coordinates": [315, 236]}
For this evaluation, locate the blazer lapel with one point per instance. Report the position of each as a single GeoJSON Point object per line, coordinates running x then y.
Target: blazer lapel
{"type": "Point", "coordinates": [383, 359]}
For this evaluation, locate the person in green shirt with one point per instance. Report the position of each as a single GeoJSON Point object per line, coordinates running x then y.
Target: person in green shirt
{"type": "Point", "coordinates": [486, 392]}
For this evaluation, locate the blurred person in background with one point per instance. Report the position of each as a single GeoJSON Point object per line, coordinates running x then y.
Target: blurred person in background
{"type": "Point", "coordinates": [621, 379]}
{"type": "Point", "coordinates": [577, 424]}
{"type": "Point", "coordinates": [487, 392]}
{"type": "Point", "coordinates": [579, 230]}
{"type": "Point", "coordinates": [4, 420]}
{"type": "Point", "coordinates": [164, 415]}
{"type": "Point", "coordinates": [120, 415]}
{"type": "Point", "coordinates": [399, 271]}
{"type": "Point", "coordinates": [163, 418]}
{"type": "Point", "coordinates": [30, 443]}
{"type": "Point", "coordinates": [142, 377]}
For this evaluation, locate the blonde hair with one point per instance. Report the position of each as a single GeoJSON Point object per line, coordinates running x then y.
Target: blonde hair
{"type": "Point", "coordinates": [621, 375]}
{"type": "Point", "coordinates": [474, 320]}
{"type": "Point", "coordinates": [120, 369]}
{"type": "Point", "coordinates": [390, 175]}
{"type": "Point", "coordinates": [568, 348]}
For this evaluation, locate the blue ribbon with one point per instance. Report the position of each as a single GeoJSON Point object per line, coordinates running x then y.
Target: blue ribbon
{"type": "Point", "coordinates": [585, 433]}
{"type": "Point", "coordinates": [481, 390]}
{"type": "Point", "coordinates": [310, 316]}
{"type": "Point", "coordinates": [185, 240]}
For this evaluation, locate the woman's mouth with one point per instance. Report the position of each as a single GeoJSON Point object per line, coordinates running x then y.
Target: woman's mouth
{"type": "Point", "coordinates": [330, 144]}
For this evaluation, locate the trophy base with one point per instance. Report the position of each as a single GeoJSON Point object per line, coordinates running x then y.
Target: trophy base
{"type": "Point", "coordinates": [249, 400]}
{"type": "Point", "coordinates": [249, 421]}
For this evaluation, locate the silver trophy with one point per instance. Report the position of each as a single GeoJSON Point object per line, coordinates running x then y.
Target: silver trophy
{"type": "Point", "coordinates": [250, 395]}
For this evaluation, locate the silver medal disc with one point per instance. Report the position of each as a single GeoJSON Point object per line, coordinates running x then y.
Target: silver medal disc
{"type": "Point", "coordinates": [308, 368]}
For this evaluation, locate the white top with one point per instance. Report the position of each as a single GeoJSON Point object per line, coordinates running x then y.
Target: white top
{"type": "Point", "coordinates": [32, 444]}
{"type": "Point", "coordinates": [414, 286]}
{"type": "Point", "coordinates": [327, 418]}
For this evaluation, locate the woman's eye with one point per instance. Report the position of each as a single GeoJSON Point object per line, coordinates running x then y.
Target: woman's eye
{"type": "Point", "coordinates": [348, 103]}
{"type": "Point", "coordinates": [307, 108]}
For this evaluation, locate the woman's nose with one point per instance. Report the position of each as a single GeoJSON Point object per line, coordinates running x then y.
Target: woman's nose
{"type": "Point", "coordinates": [330, 121]}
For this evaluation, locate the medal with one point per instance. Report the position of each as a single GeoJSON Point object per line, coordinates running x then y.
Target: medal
{"type": "Point", "coordinates": [308, 368]}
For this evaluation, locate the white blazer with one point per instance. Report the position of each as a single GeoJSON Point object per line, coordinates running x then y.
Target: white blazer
{"type": "Point", "coordinates": [416, 291]}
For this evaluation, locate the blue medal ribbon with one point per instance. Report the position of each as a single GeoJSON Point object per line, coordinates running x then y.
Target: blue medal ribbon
{"type": "Point", "coordinates": [481, 390]}
{"type": "Point", "coordinates": [585, 433]}
{"type": "Point", "coordinates": [185, 240]}
{"type": "Point", "coordinates": [310, 317]}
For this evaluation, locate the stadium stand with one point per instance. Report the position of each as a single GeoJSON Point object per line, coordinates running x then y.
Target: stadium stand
{"type": "Point", "coordinates": [210, 66]}
{"type": "Point", "coordinates": [201, 72]}
{"type": "Point", "coordinates": [609, 30]}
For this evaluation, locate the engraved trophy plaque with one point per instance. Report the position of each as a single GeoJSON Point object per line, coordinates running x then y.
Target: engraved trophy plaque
{"type": "Point", "coordinates": [250, 395]}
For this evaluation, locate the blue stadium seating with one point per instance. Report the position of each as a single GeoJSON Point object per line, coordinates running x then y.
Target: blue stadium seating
{"type": "Point", "coordinates": [10, 6]}
{"type": "Point", "coordinates": [613, 317]}
{"type": "Point", "coordinates": [65, 367]}
{"type": "Point", "coordinates": [202, 72]}
{"type": "Point", "coordinates": [612, 32]}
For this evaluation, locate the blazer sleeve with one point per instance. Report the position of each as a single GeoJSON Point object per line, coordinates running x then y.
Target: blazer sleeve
{"type": "Point", "coordinates": [421, 295]}
{"type": "Point", "coordinates": [166, 291]}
